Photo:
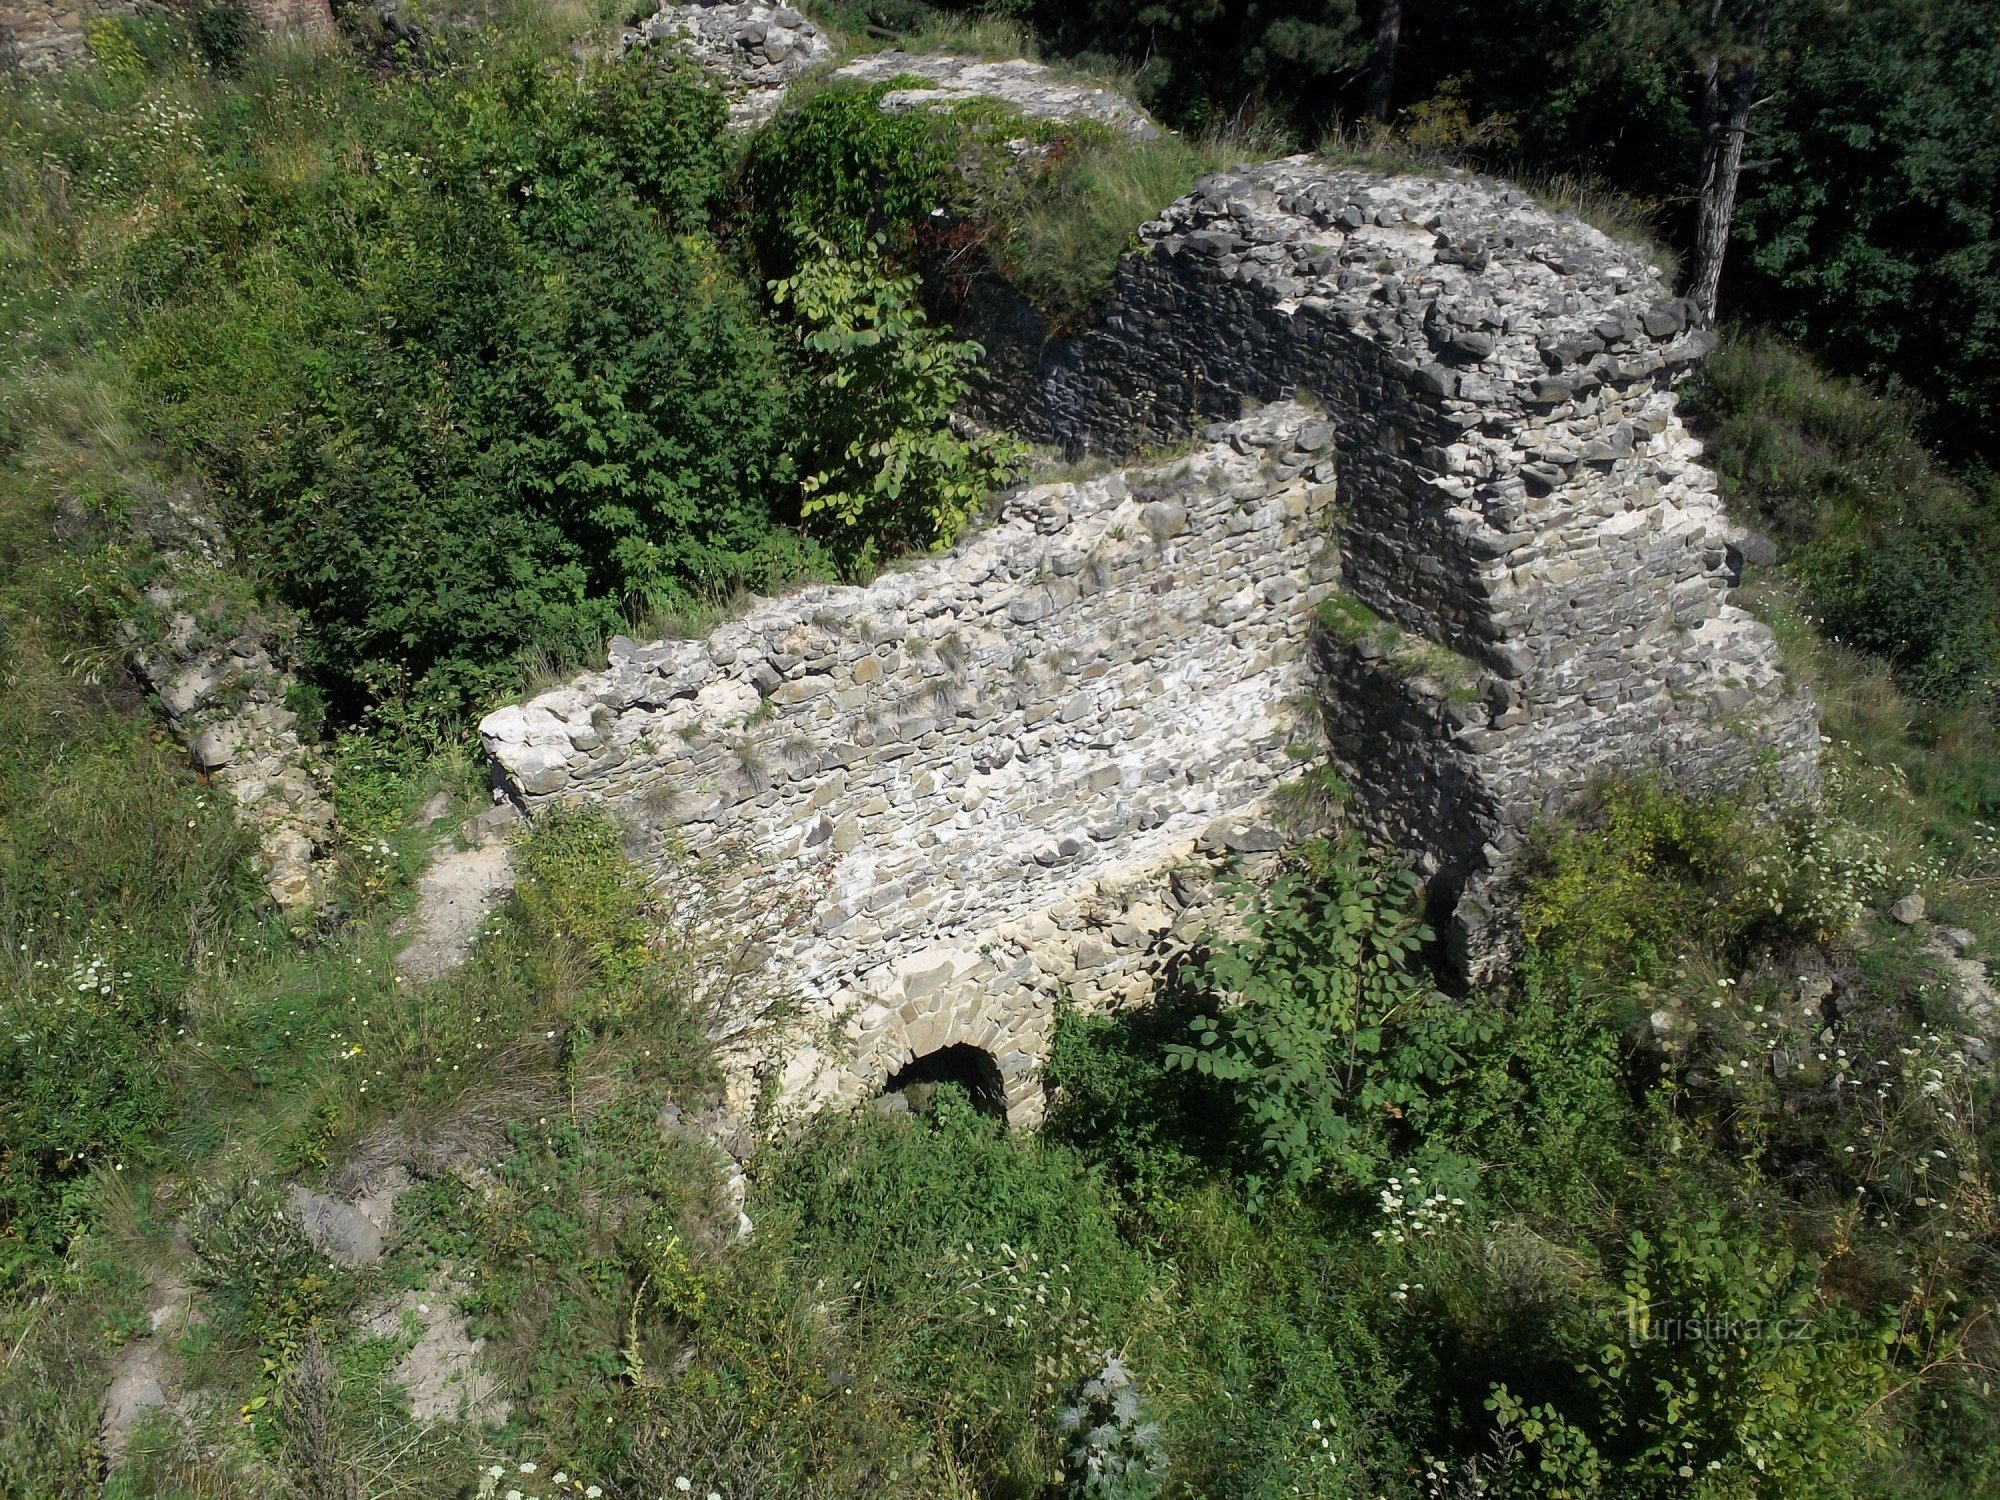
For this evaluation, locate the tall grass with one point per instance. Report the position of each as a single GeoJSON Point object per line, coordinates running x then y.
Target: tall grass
{"type": "Point", "coordinates": [1060, 239]}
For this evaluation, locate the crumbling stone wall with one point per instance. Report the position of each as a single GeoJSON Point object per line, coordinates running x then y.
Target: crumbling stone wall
{"type": "Point", "coordinates": [1001, 774]}
{"type": "Point", "coordinates": [40, 34]}
{"type": "Point", "coordinates": [219, 673]}
{"type": "Point", "coordinates": [1516, 487]}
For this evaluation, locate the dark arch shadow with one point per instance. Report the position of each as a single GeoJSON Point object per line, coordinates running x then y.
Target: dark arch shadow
{"type": "Point", "coordinates": [971, 1068]}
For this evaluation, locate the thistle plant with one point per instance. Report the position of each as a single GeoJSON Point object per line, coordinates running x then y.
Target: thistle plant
{"type": "Point", "coordinates": [1116, 1453]}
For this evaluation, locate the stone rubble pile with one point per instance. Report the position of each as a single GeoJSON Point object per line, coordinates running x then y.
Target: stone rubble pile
{"type": "Point", "coordinates": [757, 51]}
{"type": "Point", "coordinates": [754, 50]}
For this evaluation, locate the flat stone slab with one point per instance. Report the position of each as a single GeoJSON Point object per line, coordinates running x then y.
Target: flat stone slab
{"type": "Point", "coordinates": [1037, 92]}
{"type": "Point", "coordinates": [454, 897]}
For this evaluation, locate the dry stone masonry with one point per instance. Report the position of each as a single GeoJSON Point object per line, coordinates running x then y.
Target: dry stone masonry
{"type": "Point", "coordinates": [1006, 772]}
{"type": "Point", "coordinates": [755, 51]}
{"type": "Point", "coordinates": [1517, 490]}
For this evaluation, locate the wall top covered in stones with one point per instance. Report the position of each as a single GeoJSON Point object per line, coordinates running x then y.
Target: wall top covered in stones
{"type": "Point", "coordinates": [756, 51]}
{"type": "Point", "coordinates": [1472, 293]}
{"type": "Point", "coordinates": [1032, 90]}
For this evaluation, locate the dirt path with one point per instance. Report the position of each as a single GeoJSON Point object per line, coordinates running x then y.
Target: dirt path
{"type": "Point", "coordinates": [454, 897]}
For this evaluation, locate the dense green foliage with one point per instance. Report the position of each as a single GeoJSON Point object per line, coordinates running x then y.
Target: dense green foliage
{"type": "Point", "coordinates": [1866, 228]}
{"type": "Point", "coordinates": [494, 390]}
{"type": "Point", "coordinates": [1873, 236]}
{"type": "Point", "coordinates": [470, 358]}
{"type": "Point", "coordinates": [1894, 553]}
{"type": "Point", "coordinates": [883, 470]}
{"type": "Point", "coordinates": [1319, 989]}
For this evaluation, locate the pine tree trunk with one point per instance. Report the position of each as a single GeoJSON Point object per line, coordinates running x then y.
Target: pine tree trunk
{"type": "Point", "coordinates": [1382, 60]}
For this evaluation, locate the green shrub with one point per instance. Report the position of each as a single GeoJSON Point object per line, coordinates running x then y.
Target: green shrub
{"type": "Point", "coordinates": [83, 1086]}
{"type": "Point", "coordinates": [576, 889]}
{"type": "Point", "coordinates": [488, 397]}
{"type": "Point", "coordinates": [1116, 1453]}
{"type": "Point", "coordinates": [250, 1251]}
{"type": "Point", "coordinates": [1918, 597]}
{"type": "Point", "coordinates": [1732, 1375]}
{"type": "Point", "coordinates": [1646, 876]}
{"type": "Point", "coordinates": [839, 170]}
{"type": "Point", "coordinates": [1323, 1029]}
{"type": "Point", "coordinates": [983, 1273]}
{"type": "Point", "coordinates": [223, 31]}
{"type": "Point", "coordinates": [1114, 1095]}
{"type": "Point", "coordinates": [887, 468]}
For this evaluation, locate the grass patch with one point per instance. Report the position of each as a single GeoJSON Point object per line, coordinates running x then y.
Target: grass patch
{"type": "Point", "coordinates": [1893, 553]}
{"type": "Point", "coordinates": [1349, 620]}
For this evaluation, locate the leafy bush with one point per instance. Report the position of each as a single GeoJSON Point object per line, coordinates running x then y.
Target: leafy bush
{"type": "Point", "coordinates": [1117, 1454]}
{"type": "Point", "coordinates": [82, 1085]}
{"type": "Point", "coordinates": [1733, 1375]}
{"type": "Point", "coordinates": [839, 170]}
{"type": "Point", "coordinates": [251, 1252]}
{"type": "Point", "coordinates": [980, 1272]}
{"type": "Point", "coordinates": [889, 468]}
{"type": "Point", "coordinates": [577, 889]}
{"type": "Point", "coordinates": [223, 31]}
{"type": "Point", "coordinates": [1645, 876]}
{"type": "Point", "coordinates": [1919, 598]}
{"type": "Point", "coordinates": [490, 393]}
{"type": "Point", "coordinates": [1323, 1028]}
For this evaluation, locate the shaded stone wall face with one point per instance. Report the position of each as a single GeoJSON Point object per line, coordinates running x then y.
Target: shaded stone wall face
{"type": "Point", "coordinates": [997, 775]}
{"type": "Point", "coordinates": [1515, 486]}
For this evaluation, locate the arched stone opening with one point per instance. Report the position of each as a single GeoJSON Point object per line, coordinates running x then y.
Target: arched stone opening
{"type": "Point", "coordinates": [973, 1069]}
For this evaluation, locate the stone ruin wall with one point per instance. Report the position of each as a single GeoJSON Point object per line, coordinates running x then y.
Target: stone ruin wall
{"type": "Point", "coordinates": [1516, 490]}
{"type": "Point", "coordinates": [40, 34]}
{"type": "Point", "coordinates": [1013, 773]}
{"type": "Point", "coordinates": [995, 777]}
